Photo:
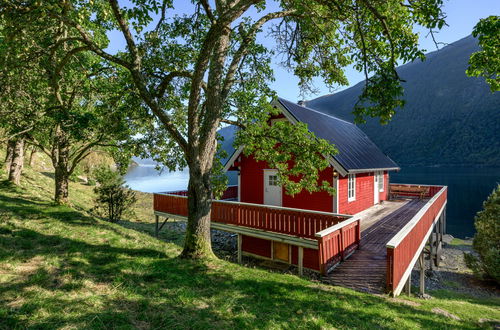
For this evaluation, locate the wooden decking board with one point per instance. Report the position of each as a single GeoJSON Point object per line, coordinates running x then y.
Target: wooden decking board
{"type": "Point", "coordinates": [365, 270]}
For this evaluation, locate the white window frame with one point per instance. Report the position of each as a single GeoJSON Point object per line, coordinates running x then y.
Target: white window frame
{"type": "Point", "coordinates": [381, 183]}
{"type": "Point", "coordinates": [351, 187]}
{"type": "Point", "coordinates": [275, 120]}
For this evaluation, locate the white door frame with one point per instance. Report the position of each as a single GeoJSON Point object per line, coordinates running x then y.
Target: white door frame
{"type": "Point", "coordinates": [376, 192]}
{"type": "Point", "coordinates": [335, 208]}
{"type": "Point", "coordinates": [268, 172]}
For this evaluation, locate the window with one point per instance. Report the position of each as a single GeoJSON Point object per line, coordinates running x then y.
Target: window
{"type": "Point", "coordinates": [351, 187]}
{"type": "Point", "coordinates": [275, 120]}
{"type": "Point", "coordinates": [380, 181]}
{"type": "Point", "coordinates": [273, 180]}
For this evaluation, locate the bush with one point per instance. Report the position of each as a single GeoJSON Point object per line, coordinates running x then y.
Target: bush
{"type": "Point", "coordinates": [113, 200]}
{"type": "Point", "coordinates": [487, 239]}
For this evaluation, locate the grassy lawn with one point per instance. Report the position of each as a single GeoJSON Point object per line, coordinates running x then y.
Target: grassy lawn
{"type": "Point", "coordinates": [61, 268]}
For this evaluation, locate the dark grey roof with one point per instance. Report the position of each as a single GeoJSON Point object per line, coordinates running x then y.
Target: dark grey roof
{"type": "Point", "coordinates": [356, 150]}
{"type": "Point", "coordinates": [227, 133]}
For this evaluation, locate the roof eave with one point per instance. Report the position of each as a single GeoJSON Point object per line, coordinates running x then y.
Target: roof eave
{"type": "Point", "coordinates": [364, 170]}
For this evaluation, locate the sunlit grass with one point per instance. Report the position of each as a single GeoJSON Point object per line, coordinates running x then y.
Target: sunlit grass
{"type": "Point", "coordinates": [62, 268]}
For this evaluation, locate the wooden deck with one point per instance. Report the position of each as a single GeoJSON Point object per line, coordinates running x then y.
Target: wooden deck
{"type": "Point", "coordinates": [366, 269]}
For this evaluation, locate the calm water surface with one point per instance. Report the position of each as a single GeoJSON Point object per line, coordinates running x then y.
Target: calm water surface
{"type": "Point", "coordinates": [467, 187]}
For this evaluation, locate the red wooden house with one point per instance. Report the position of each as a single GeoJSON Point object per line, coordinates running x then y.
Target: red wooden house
{"type": "Point", "coordinates": [359, 172]}
{"type": "Point", "coordinates": [316, 230]}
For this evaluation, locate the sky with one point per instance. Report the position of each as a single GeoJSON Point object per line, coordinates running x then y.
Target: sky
{"type": "Point", "coordinates": [461, 15]}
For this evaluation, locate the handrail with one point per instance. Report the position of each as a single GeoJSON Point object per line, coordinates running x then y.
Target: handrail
{"type": "Point", "coordinates": [416, 184]}
{"type": "Point", "coordinates": [398, 238]}
{"type": "Point", "coordinates": [270, 206]}
{"type": "Point", "coordinates": [339, 225]}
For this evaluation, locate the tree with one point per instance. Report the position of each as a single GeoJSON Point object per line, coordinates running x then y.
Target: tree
{"type": "Point", "coordinates": [486, 62]}
{"type": "Point", "coordinates": [80, 91]}
{"type": "Point", "coordinates": [487, 239]}
{"type": "Point", "coordinates": [22, 96]}
{"type": "Point", "coordinates": [113, 199]}
{"type": "Point", "coordinates": [197, 71]}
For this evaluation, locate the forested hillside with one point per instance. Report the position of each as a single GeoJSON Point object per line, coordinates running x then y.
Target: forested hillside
{"type": "Point", "coordinates": [449, 118]}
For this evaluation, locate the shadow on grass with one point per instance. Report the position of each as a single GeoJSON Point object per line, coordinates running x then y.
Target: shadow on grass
{"type": "Point", "coordinates": [157, 291]}
{"type": "Point", "coordinates": [107, 286]}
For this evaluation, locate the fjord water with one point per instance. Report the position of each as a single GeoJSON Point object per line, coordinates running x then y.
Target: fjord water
{"type": "Point", "coordinates": [467, 187]}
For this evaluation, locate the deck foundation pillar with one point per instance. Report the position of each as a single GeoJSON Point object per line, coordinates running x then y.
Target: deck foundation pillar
{"type": "Point", "coordinates": [157, 220]}
{"type": "Point", "coordinates": [240, 238]}
{"type": "Point", "coordinates": [301, 261]}
{"type": "Point", "coordinates": [431, 250]}
{"type": "Point", "coordinates": [422, 274]}
{"type": "Point", "coordinates": [407, 287]}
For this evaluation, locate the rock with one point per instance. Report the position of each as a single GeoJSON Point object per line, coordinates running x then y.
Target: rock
{"type": "Point", "coordinates": [83, 179]}
{"type": "Point", "coordinates": [440, 311]}
{"type": "Point", "coordinates": [405, 302]}
{"type": "Point", "coordinates": [494, 323]}
{"type": "Point", "coordinates": [424, 296]}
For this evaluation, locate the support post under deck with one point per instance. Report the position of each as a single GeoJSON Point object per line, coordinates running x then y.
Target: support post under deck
{"type": "Point", "coordinates": [301, 261]}
{"type": "Point", "coordinates": [157, 220]}
{"type": "Point", "coordinates": [422, 274]}
{"type": "Point", "coordinates": [431, 249]}
{"type": "Point", "coordinates": [239, 248]}
{"type": "Point", "coordinates": [407, 287]}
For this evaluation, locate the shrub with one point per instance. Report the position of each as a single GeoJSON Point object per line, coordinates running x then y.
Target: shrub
{"type": "Point", "coordinates": [487, 239]}
{"type": "Point", "coordinates": [113, 199]}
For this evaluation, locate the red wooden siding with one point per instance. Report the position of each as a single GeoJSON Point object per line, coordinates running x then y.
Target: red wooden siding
{"type": "Point", "coordinates": [384, 194]}
{"type": "Point", "coordinates": [318, 201]}
{"type": "Point", "coordinates": [400, 257]}
{"type": "Point", "coordinates": [258, 246]}
{"type": "Point", "coordinates": [364, 194]}
{"type": "Point", "coordinates": [252, 188]}
{"type": "Point", "coordinates": [252, 180]}
{"type": "Point", "coordinates": [230, 193]}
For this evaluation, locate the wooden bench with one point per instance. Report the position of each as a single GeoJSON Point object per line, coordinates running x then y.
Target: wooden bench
{"type": "Point", "coordinates": [420, 191]}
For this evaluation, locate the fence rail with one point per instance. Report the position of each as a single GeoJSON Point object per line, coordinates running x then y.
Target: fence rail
{"type": "Point", "coordinates": [338, 235]}
{"type": "Point", "coordinates": [405, 246]}
{"type": "Point", "coordinates": [338, 242]}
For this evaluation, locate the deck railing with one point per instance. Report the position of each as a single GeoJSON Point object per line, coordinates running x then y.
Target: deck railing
{"type": "Point", "coordinates": [337, 235]}
{"type": "Point", "coordinates": [231, 192]}
{"type": "Point", "coordinates": [296, 222]}
{"type": "Point", "coordinates": [284, 220]}
{"type": "Point", "coordinates": [433, 190]}
{"type": "Point", "coordinates": [336, 243]}
{"type": "Point", "coordinates": [404, 248]}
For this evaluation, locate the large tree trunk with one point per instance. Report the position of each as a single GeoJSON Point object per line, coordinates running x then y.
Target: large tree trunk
{"type": "Point", "coordinates": [32, 153]}
{"type": "Point", "coordinates": [8, 155]}
{"type": "Point", "coordinates": [198, 239]}
{"type": "Point", "coordinates": [17, 161]}
{"type": "Point", "coordinates": [60, 161]}
{"type": "Point", "coordinates": [61, 185]}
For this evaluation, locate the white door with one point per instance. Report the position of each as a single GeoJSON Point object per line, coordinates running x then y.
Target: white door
{"type": "Point", "coordinates": [272, 191]}
{"type": "Point", "coordinates": [376, 194]}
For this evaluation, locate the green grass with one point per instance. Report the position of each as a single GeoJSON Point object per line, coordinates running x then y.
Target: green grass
{"type": "Point", "coordinates": [460, 242]}
{"type": "Point", "coordinates": [61, 268]}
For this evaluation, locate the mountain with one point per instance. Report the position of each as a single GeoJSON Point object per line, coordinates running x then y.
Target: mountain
{"type": "Point", "coordinates": [448, 119]}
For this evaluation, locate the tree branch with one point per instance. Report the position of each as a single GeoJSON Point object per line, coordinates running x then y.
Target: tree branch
{"type": "Point", "coordinates": [233, 122]}
{"type": "Point", "coordinates": [168, 79]}
{"type": "Point", "coordinates": [243, 49]}
{"type": "Point", "coordinates": [208, 10]}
